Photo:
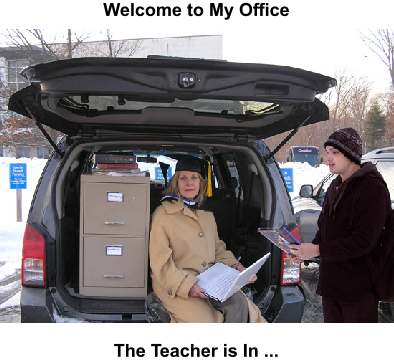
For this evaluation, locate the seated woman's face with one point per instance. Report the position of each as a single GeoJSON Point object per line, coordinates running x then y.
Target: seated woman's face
{"type": "Point", "coordinates": [188, 184]}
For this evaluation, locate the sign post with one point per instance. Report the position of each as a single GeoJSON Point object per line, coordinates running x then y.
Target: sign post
{"type": "Point", "coordinates": [18, 181]}
{"type": "Point", "coordinates": [288, 176]}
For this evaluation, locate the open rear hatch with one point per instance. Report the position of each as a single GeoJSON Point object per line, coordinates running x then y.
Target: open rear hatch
{"type": "Point", "coordinates": [171, 96]}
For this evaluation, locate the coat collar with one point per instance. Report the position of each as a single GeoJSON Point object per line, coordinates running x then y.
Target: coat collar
{"type": "Point", "coordinates": [174, 206]}
{"type": "Point", "coordinates": [338, 188]}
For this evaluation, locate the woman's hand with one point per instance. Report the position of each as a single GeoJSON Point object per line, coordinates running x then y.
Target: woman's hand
{"type": "Point", "coordinates": [197, 291]}
{"type": "Point", "coordinates": [241, 268]}
{"type": "Point", "coordinates": [305, 250]}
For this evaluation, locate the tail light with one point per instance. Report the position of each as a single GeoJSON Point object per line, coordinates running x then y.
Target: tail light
{"type": "Point", "coordinates": [291, 272]}
{"type": "Point", "coordinates": [33, 259]}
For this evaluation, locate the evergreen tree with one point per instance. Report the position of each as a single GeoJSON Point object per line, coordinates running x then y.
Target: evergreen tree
{"type": "Point", "coordinates": [375, 127]}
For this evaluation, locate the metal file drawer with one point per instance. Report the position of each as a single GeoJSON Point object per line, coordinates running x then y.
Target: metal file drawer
{"type": "Point", "coordinates": [115, 208]}
{"type": "Point", "coordinates": [114, 263]}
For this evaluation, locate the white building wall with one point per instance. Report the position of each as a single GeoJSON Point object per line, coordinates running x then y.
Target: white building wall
{"type": "Point", "coordinates": [208, 47]}
{"type": "Point", "coordinates": [204, 46]}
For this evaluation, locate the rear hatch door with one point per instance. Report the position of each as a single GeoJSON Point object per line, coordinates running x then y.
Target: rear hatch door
{"type": "Point", "coordinates": [171, 95]}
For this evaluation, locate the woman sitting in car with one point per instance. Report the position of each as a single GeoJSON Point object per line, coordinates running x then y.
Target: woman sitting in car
{"type": "Point", "coordinates": [183, 243]}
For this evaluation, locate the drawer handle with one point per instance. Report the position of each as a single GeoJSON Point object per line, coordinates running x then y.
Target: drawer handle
{"type": "Point", "coordinates": [114, 223]}
{"type": "Point", "coordinates": [113, 276]}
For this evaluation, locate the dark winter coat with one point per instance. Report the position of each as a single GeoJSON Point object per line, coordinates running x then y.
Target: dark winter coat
{"type": "Point", "coordinates": [348, 234]}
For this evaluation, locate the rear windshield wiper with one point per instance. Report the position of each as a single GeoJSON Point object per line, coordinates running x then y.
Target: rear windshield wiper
{"type": "Point", "coordinates": [271, 109]}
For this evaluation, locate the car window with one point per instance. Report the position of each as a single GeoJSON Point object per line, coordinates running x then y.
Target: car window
{"type": "Point", "coordinates": [386, 168]}
{"type": "Point", "coordinates": [321, 189]}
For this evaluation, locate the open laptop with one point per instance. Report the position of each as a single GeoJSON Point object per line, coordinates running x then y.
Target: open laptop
{"type": "Point", "coordinates": [221, 281]}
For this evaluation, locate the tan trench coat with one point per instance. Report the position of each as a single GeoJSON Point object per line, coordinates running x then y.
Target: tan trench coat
{"type": "Point", "coordinates": [182, 245]}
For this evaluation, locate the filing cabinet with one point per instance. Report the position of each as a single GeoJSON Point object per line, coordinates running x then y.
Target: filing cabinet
{"type": "Point", "coordinates": [114, 232]}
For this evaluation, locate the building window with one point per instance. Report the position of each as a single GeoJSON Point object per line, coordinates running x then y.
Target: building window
{"type": "Point", "coordinates": [42, 152]}
{"type": "Point", "coordinates": [15, 80]}
{"type": "Point", "coordinates": [22, 152]}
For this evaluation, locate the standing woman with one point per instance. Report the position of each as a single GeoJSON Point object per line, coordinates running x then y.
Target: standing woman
{"type": "Point", "coordinates": [183, 243]}
{"type": "Point", "coordinates": [355, 209]}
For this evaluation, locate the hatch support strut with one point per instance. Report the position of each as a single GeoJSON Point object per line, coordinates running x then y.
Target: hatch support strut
{"type": "Point", "coordinates": [46, 135]}
{"type": "Point", "coordinates": [293, 132]}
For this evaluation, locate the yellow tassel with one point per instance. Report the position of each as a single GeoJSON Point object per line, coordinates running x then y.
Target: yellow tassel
{"type": "Point", "coordinates": [209, 186]}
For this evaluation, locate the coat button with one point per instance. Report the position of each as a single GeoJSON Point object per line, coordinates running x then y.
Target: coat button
{"type": "Point", "coordinates": [201, 234]}
{"type": "Point", "coordinates": [204, 264]}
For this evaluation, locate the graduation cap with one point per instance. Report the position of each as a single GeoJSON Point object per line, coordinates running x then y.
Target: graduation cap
{"type": "Point", "coordinates": [187, 162]}
{"type": "Point", "coordinates": [191, 164]}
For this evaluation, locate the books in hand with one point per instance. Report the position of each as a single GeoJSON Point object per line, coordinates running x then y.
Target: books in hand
{"type": "Point", "coordinates": [221, 281]}
{"type": "Point", "coordinates": [280, 238]}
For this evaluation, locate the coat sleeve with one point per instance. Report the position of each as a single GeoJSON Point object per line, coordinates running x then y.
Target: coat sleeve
{"type": "Point", "coordinates": [369, 218]}
{"type": "Point", "coordinates": [175, 281]}
{"type": "Point", "coordinates": [317, 238]}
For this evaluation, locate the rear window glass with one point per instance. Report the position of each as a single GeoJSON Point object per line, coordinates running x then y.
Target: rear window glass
{"type": "Point", "coordinates": [120, 103]}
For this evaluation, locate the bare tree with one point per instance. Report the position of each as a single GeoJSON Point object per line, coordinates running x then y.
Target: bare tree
{"type": "Point", "coordinates": [110, 47]}
{"type": "Point", "coordinates": [122, 47]}
{"type": "Point", "coordinates": [348, 103]}
{"type": "Point", "coordinates": [39, 46]}
{"type": "Point", "coordinates": [386, 102]}
{"type": "Point", "coordinates": [381, 42]}
{"type": "Point", "coordinates": [359, 103]}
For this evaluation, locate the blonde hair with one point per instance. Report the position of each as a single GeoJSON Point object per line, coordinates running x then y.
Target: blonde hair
{"type": "Point", "coordinates": [172, 188]}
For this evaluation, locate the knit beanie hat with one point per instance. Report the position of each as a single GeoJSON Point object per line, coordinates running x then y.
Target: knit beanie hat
{"type": "Point", "coordinates": [348, 142]}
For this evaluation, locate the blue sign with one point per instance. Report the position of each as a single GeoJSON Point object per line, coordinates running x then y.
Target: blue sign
{"type": "Point", "coordinates": [159, 173]}
{"type": "Point", "coordinates": [288, 176]}
{"type": "Point", "coordinates": [18, 176]}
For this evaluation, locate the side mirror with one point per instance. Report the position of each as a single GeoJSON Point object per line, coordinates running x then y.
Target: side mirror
{"type": "Point", "coordinates": [306, 191]}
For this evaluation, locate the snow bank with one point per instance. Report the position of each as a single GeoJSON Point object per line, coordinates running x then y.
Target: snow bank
{"type": "Point", "coordinates": [11, 231]}
{"type": "Point", "coordinates": [8, 208]}
{"type": "Point", "coordinates": [303, 173]}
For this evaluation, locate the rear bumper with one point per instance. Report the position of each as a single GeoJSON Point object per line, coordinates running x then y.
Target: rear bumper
{"type": "Point", "coordinates": [35, 306]}
{"type": "Point", "coordinates": [286, 306]}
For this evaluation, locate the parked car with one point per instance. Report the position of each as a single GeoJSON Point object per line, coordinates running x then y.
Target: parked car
{"type": "Point", "coordinates": [384, 160]}
{"type": "Point", "coordinates": [304, 154]}
{"type": "Point", "coordinates": [86, 240]}
{"type": "Point", "coordinates": [308, 205]}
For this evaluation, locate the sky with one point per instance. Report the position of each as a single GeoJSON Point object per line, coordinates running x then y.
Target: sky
{"type": "Point", "coordinates": [316, 35]}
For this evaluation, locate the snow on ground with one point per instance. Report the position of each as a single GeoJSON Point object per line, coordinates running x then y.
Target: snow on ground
{"type": "Point", "coordinates": [11, 231]}
{"type": "Point", "coordinates": [303, 173]}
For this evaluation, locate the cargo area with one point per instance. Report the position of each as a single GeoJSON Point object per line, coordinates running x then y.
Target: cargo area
{"type": "Point", "coordinates": [105, 219]}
